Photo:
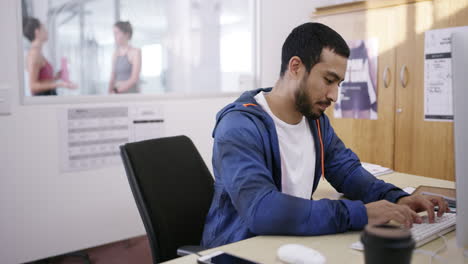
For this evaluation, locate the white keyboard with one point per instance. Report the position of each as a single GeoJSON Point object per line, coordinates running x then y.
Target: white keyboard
{"type": "Point", "coordinates": [425, 232]}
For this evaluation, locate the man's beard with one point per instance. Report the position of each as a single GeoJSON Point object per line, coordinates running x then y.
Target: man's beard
{"type": "Point", "coordinates": [302, 102]}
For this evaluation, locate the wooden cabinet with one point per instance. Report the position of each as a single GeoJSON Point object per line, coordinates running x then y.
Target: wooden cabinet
{"type": "Point", "coordinates": [421, 147]}
{"type": "Point", "coordinates": [372, 140]}
{"type": "Point", "coordinates": [400, 138]}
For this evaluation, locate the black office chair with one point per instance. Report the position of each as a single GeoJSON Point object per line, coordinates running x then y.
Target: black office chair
{"type": "Point", "coordinates": [173, 189]}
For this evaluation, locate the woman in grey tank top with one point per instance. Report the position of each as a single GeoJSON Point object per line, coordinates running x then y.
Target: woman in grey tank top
{"type": "Point", "coordinates": [126, 61]}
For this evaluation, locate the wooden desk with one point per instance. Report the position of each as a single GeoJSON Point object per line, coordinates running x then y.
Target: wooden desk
{"type": "Point", "coordinates": [336, 247]}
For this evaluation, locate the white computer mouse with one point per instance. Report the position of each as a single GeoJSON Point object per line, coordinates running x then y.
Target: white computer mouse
{"type": "Point", "coordinates": [299, 254]}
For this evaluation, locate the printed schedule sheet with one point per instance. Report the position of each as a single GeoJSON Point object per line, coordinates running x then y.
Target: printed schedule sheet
{"type": "Point", "coordinates": [91, 137]}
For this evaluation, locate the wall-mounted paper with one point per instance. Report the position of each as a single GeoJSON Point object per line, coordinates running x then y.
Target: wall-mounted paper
{"type": "Point", "coordinates": [438, 97]}
{"type": "Point", "coordinates": [90, 137]}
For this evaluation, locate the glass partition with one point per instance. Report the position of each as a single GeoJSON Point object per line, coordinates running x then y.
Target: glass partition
{"type": "Point", "coordinates": [104, 47]}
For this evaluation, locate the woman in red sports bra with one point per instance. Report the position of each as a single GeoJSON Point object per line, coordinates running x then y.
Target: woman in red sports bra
{"type": "Point", "coordinates": [42, 80]}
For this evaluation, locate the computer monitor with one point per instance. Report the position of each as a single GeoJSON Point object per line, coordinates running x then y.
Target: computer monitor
{"type": "Point", "coordinates": [460, 92]}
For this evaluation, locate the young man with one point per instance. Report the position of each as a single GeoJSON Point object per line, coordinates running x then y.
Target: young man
{"type": "Point", "coordinates": [272, 146]}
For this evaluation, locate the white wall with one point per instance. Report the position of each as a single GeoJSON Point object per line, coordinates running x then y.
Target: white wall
{"type": "Point", "coordinates": [44, 212]}
{"type": "Point", "coordinates": [278, 18]}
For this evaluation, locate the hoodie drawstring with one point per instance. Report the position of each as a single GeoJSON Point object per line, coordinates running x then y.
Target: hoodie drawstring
{"type": "Point", "coordinates": [322, 156]}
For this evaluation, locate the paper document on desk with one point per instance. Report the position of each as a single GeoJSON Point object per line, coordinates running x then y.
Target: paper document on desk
{"type": "Point", "coordinates": [357, 246]}
{"type": "Point", "coordinates": [375, 169]}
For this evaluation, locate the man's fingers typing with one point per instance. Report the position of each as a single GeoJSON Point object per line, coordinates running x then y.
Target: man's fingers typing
{"type": "Point", "coordinates": [409, 214]}
{"type": "Point", "coordinates": [399, 217]}
{"type": "Point", "coordinates": [383, 211]}
{"type": "Point", "coordinates": [429, 207]}
{"type": "Point", "coordinates": [443, 205]}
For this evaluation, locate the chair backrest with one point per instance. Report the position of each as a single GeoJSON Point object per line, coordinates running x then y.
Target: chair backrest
{"type": "Point", "coordinates": [173, 189]}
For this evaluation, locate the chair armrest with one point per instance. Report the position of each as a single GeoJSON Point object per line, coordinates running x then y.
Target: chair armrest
{"type": "Point", "coordinates": [188, 250]}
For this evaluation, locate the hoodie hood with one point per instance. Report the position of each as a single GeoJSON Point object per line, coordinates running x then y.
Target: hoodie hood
{"type": "Point", "coordinates": [245, 103]}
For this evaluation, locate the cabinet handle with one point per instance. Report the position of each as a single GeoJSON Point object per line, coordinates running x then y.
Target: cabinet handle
{"type": "Point", "coordinates": [403, 80]}
{"type": "Point", "coordinates": [386, 81]}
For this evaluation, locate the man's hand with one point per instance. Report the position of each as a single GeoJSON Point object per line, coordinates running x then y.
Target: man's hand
{"type": "Point", "coordinates": [381, 212]}
{"type": "Point", "coordinates": [421, 203]}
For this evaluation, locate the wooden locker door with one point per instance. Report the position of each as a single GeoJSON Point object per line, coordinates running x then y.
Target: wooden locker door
{"type": "Point", "coordinates": [371, 140]}
{"type": "Point", "coordinates": [421, 147]}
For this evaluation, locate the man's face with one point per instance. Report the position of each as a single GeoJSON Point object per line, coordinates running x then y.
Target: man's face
{"type": "Point", "coordinates": [319, 88]}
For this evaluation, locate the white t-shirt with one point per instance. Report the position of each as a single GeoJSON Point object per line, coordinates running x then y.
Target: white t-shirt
{"type": "Point", "coordinates": [297, 151]}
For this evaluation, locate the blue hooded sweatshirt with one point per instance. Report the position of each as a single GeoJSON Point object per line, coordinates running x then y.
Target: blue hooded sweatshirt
{"type": "Point", "coordinates": [247, 199]}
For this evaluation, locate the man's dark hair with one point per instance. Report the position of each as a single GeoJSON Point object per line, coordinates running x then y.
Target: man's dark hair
{"type": "Point", "coordinates": [307, 42]}
{"type": "Point", "coordinates": [30, 24]}
{"type": "Point", "coordinates": [125, 27]}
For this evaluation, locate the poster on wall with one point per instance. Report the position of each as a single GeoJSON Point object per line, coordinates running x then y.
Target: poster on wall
{"type": "Point", "coordinates": [90, 137]}
{"type": "Point", "coordinates": [358, 92]}
{"type": "Point", "coordinates": [438, 97]}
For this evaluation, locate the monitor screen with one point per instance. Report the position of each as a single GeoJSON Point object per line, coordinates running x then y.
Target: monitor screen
{"type": "Point", "coordinates": [460, 91]}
